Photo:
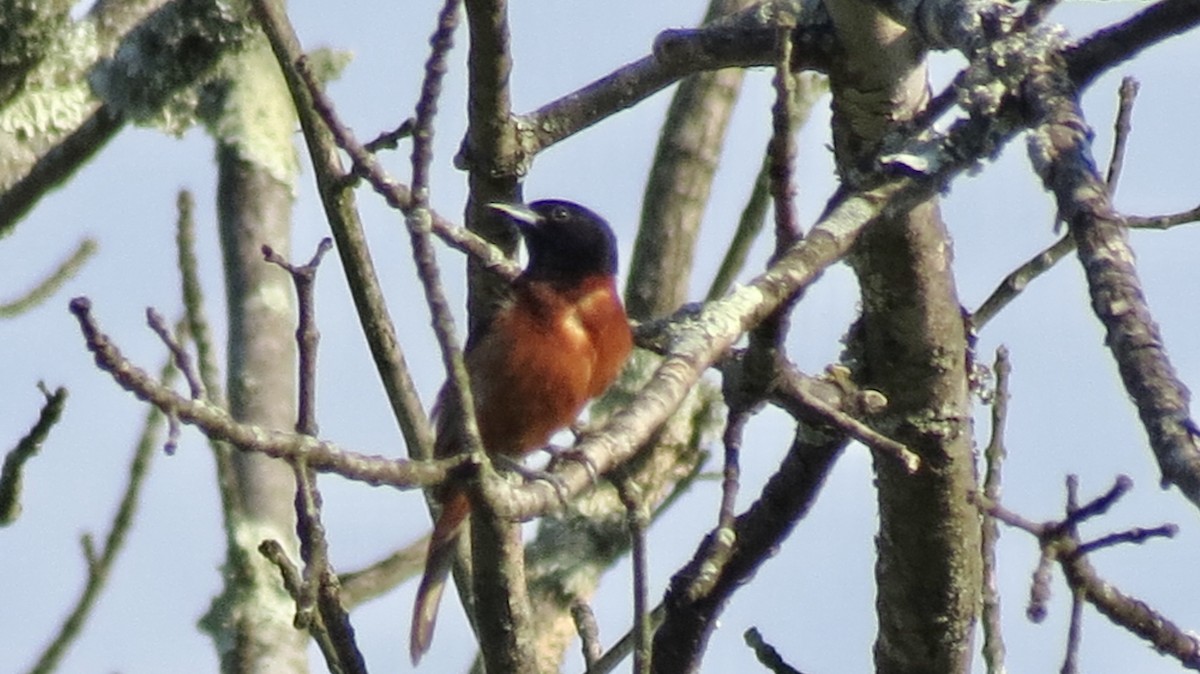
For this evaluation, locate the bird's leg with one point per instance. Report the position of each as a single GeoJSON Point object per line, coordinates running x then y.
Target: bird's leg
{"type": "Point", "coordinates": [557, 453]}
{"type": "Point", "coordinates": [533, 474]}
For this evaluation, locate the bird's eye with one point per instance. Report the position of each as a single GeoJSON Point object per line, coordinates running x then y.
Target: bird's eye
{"type": "Point", "coordinates": [559, 214]}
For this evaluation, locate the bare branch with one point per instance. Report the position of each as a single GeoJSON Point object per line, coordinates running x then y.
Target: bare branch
{"type": "Point", "coordinates": [1163, 221]}
{"type": "Point", "coordinates": [390, 140]}
{"type": "Point", "coordinates": [11, 475]}
{"type": "Point", "coordinates": [1074, 635]}
{"type": "Point", "coordinates": [396, 194]}
{"type": "Point", "coordinates": [99, 563]}
{"type": "Point", "coordinates": [318, 603]}
{"type": "Point", "coordinates": [994, 454]}
{"type": "Point", "coordinates": [1126, 95]}
{"type": "Point", "coordinates": [341, 211]}
{"type": "Point", "coordinates": [179, 355]}
{"type": "Point", "coordinates": [589, 631]}
{"type": "Point", "coordinates": [67, 269]}
{"type": "Point", "coordinates": [1015, 282]}
{"type": "Point", "coordinates": [638, 518]}
{"type": "Point", "coordinates": [1060, 543]}
{"type": "Point", "coordinates": [1132, 614]}
{"type": "Point", "coordinates": [216, 423]}
{"type": "Point", "coordinates": [1105, 48]}
{"type": "Point", "coordinates": [746, 40]}
{"type": "Point", "coordinates": [798, 393]}
{"type": "Point", "coordinates": [766, 653]}
{"type": "Point", "coordinates": [689, 615]}
{"type": "Point", "coordinates": [307, 336]}
{"type": "Point", "coordinates": [384, 575]}
{"type": "Point", "coordinates": [419, 219]}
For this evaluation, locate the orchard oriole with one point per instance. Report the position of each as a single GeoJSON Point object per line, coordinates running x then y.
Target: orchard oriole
{"type": "Point", "coordinates": [559, 341]}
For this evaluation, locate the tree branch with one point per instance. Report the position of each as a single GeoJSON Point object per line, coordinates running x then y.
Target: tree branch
{"type": "Point", "coordinates": [99, 566]}
{"type": "Point", "coordinates": [216, 423]}
{"type": "Point", "coordinates": [11, 476]}
{"type": "Point", "coordinates": [45, 288]}
{"type": "Point", "coordinates": [341, 211]}
{"type": "Point", "coordinates": [1060, 149]}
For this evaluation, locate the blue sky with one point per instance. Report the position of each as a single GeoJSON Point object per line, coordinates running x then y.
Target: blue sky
{"type": "Point", "coordinates": [815, 599]}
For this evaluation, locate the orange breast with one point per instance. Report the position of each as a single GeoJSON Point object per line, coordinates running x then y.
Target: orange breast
{"type": "Point", "coordinates": [559, 350]}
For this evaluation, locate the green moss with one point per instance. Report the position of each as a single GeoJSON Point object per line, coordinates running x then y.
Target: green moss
{"type": "Point", "coordinates": [54, 96]}
{"type": "Point", "coordinates": [151, 77]}
{"type": "Point", "coordinates": [28, 28]}
{"type": "Point", "coordinates": [249, 107]}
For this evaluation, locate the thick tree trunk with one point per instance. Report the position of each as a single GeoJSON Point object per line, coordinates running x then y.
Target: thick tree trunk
{"type": "Point", "coordinates": [912, 347]}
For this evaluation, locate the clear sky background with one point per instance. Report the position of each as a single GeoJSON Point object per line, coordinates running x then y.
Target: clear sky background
{"type": "Point", "coordinates": [814, 601]}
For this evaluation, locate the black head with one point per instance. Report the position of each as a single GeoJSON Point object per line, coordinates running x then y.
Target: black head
{"type": "Point", "coordinates": [566, 241]}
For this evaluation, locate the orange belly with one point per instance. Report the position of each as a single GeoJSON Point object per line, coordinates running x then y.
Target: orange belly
{"type": "Point", "coordinates": [558, 355]}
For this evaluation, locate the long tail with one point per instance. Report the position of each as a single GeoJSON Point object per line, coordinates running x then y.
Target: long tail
{"type": "Point", "coordinates": [438, 562]}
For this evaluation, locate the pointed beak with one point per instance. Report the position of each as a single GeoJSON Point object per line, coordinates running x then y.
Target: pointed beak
{"type": "Point", "coordinates": [520, 214]}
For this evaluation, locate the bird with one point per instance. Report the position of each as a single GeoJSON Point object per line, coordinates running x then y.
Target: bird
{"type": "Point", "coordinates": [560, 340]}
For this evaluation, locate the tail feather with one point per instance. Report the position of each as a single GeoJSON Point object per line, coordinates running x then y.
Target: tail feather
{"type": "Point", "coordinates": [438, 562]}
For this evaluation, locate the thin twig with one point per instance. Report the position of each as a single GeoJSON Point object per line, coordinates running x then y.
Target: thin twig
{"type": "Point", "coordinates": [346, 226]}
{"type": "Point", "coordinates": [807, 88]}
{"type": "Point", "coordinates": [396, 194]}
{"type": "Point", "coordinates": [318, 607]}
{"type": "Point", "coordinates": [273, 551]}
{"type": "Point", "coordinates": [193, 298]}
{"type": "Point", "coordinates": [1163, 221]}
{"type": "Point", "coordinates": [11, 475]}
{"type": "Point", "coordinates": [994, 454]}
{"type": "Point", "coordinates": [46, 288]}
{"type": "Point", "coordinates": [589, 631]}
{"type": "Point", "coordinates": [183, 361]}
{"type": "Point", "coordinates": [784, 501]}
{"type": "Point", "coordinates": [1097, 506]}
{"type": "Point", "coordinates": [1135, 535]}
{"type": "Point", "coordinates": [735, 424]}
{"type": "Point", "coordinates": [1133, 615]}
{"type": "Point", "coordinates": [380, 577]}
{"type": "Point", "coordinates": [792, 390]}
{"type": "Point", "coordinates": [1022, 276]}
{"type": "Point", "coordinates": [1007, 516]}
{"type": "Point", "coordinates": [232, 507]}
{"type": "Point", "coordinates": [309, 530]}
{"type": "Point", "coordinates": [307, 335]}
{"type": "Point", "coordinates": [1059, 542]}
{"type": "Point", "coordinates": [750, 223]}
{"type": "Point", "coordinates": [294, 583]}
{"type": "Point", "coordinates": [637, 517]}
{"type": "Point", "coordinates": [390, 140]}
{"type": "Point", "coordinates": [781, 151]}
{"type": "Point", "coordinates": [720, 544]}
{"type": "Point", "coordinates": [1126, 95]}
{"type": "Point", "coordinates": [100, 564]}
{"type": "Point", "coordinates": [1074, 635]}
{"type": "Point", "coordinates": [420, 218]}
{"type": "Point", "coordinates": [217, 424]}
{"type": "Point", "coordinates": [764, 357]}
{"type": "Point", "coordinates": [1017, 280]}
{"type": "Point", "coordinates": [766, 654]}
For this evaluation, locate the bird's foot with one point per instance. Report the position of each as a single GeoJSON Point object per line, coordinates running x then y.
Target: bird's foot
{"type": "Point", "coordinates": [534, 474]}
{"type": "Point", "coordinates": [559, 454]}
